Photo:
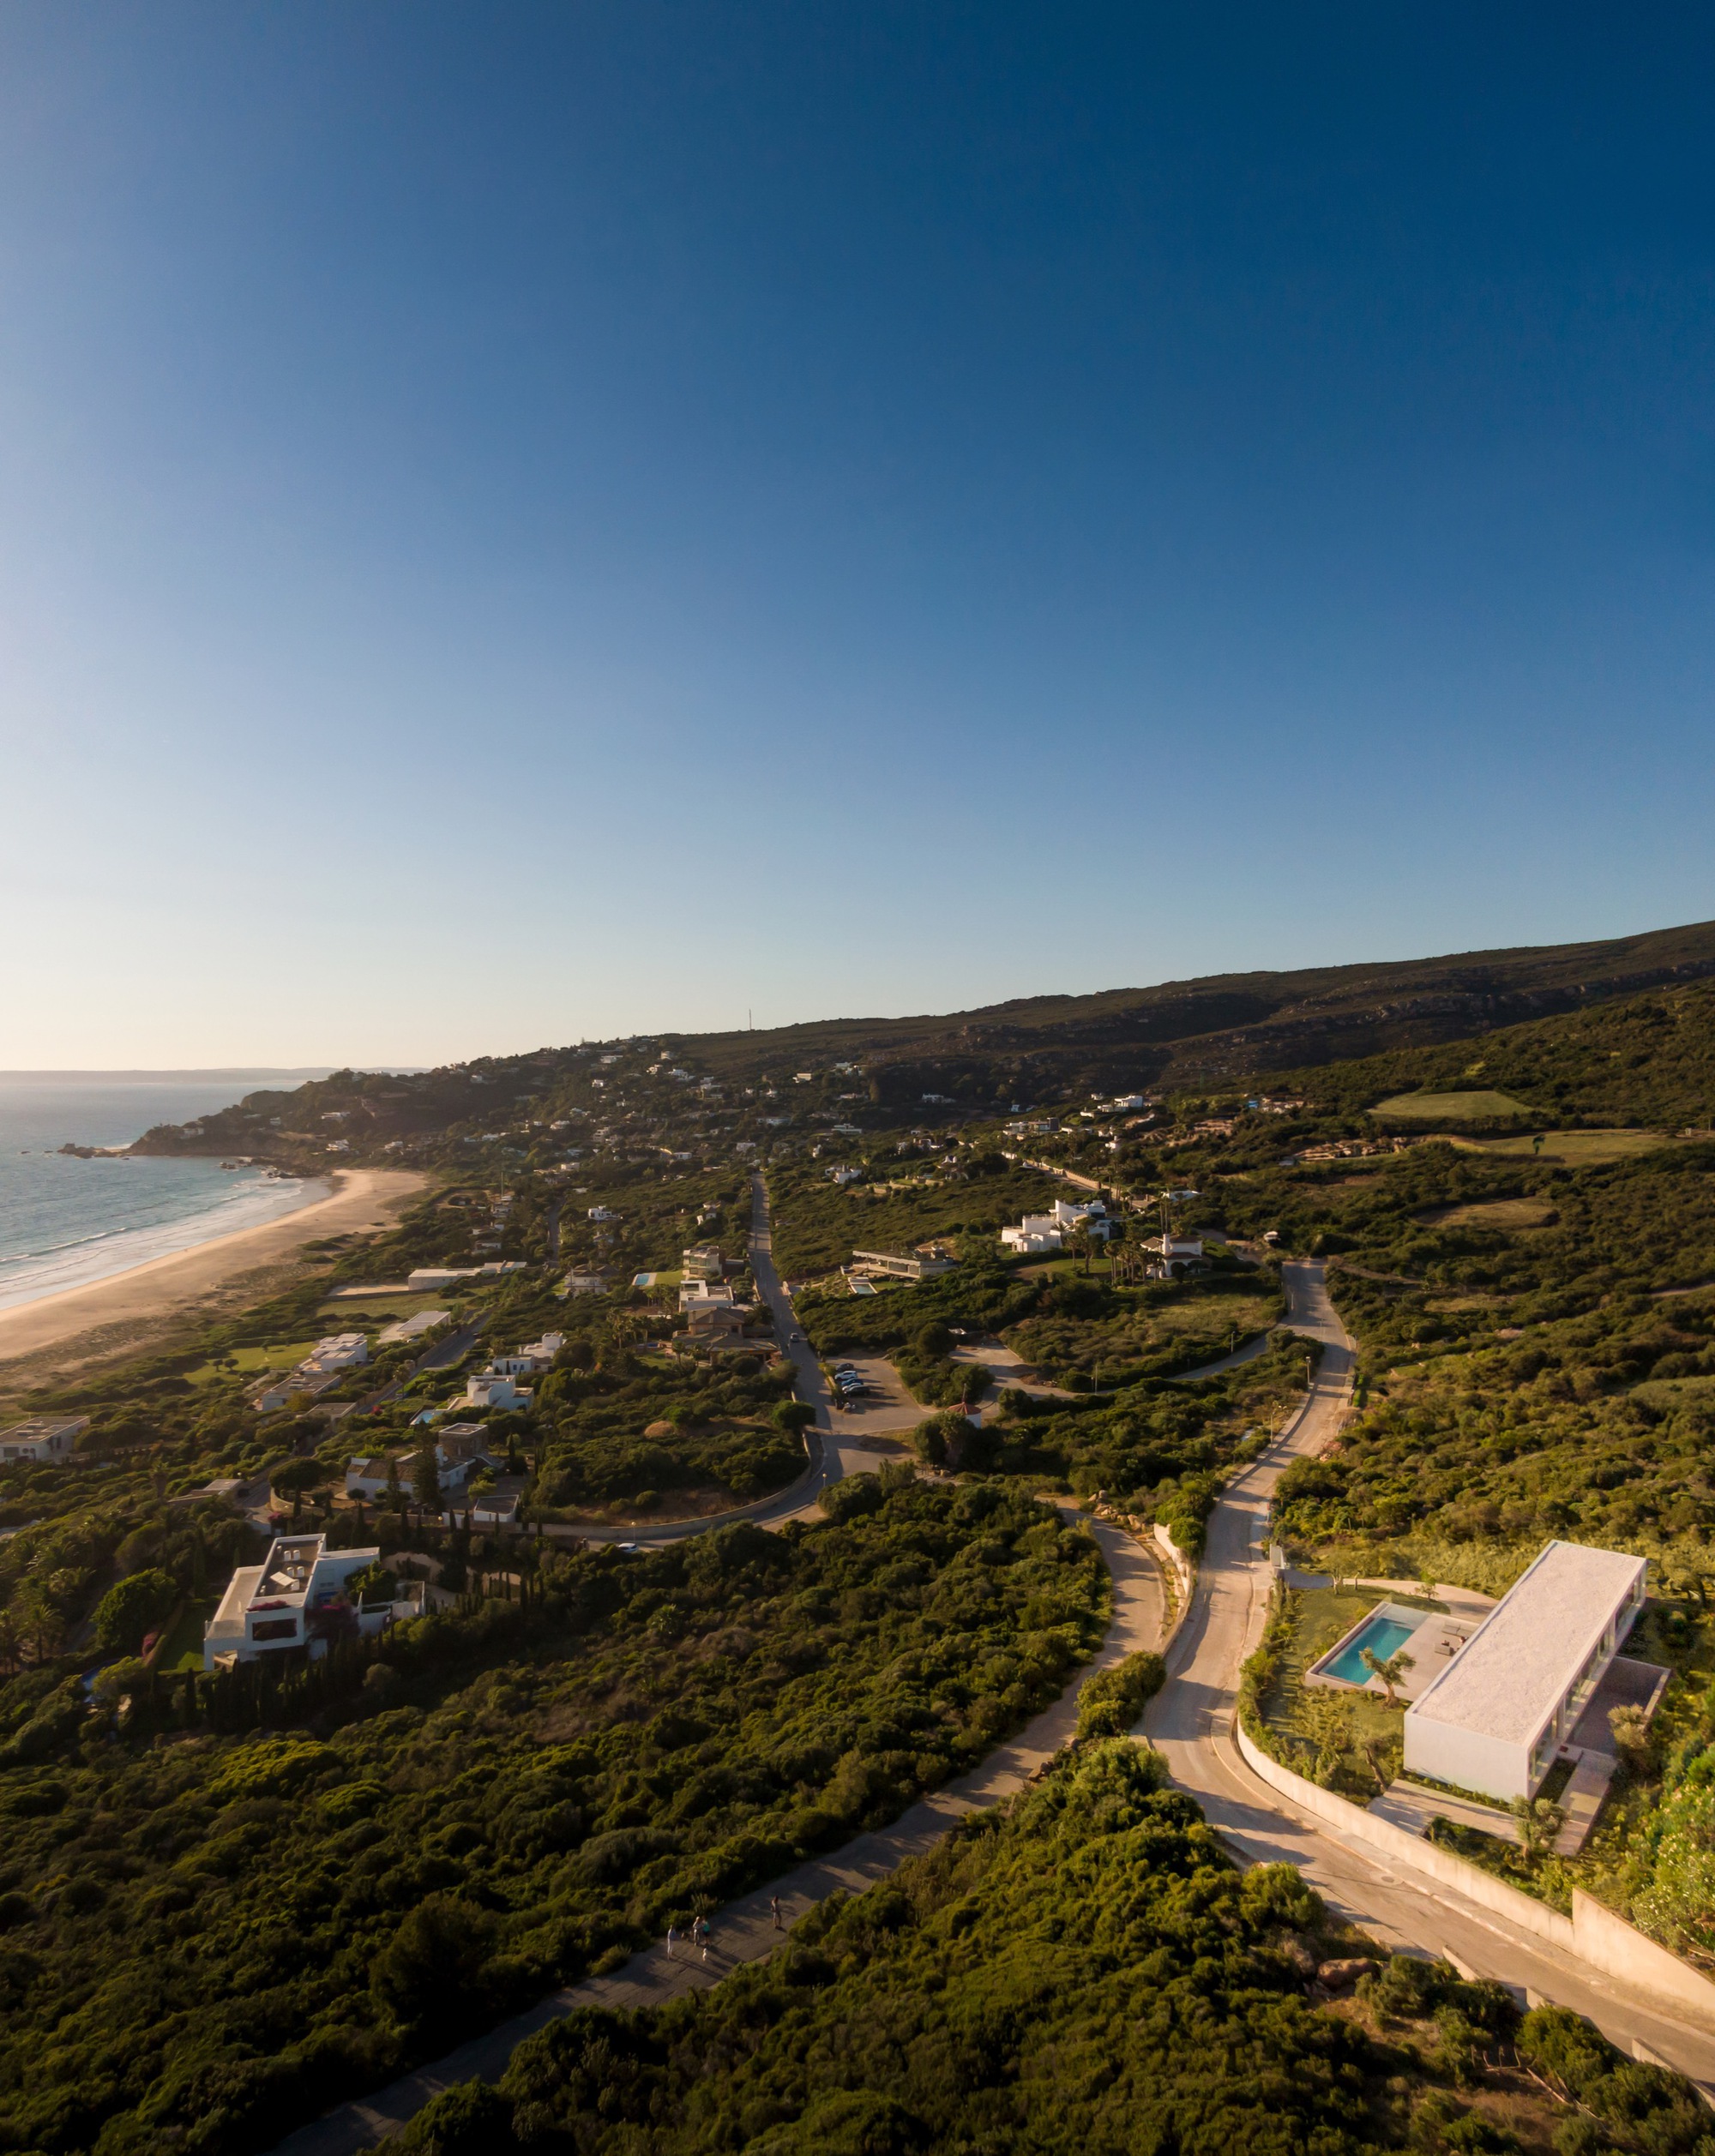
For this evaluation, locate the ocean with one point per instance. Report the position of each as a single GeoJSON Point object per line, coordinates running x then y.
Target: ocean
{"type": "Point", "coordinates": [64, 1222]}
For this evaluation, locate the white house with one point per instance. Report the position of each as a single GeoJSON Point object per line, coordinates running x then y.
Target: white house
{"type": "Point", "coordinates": [1496, 1717]}
{"type": "Point", "coordinates": [322, 1368]}
{"type": "Point", "coordinates": [538, 1355]}
{"type": "Point", "coordinates": [1035, 1234]}
{"type": "Point", "coordinates": [1093, 1217]}
{"type": "Point", "coordinates": [491, 1389]}
{"type": "Point", "coordinates": [298, 1596]}
{"type": "Point", "coordinates": [702, 1261]}
{"type": "Point", "coordinates": [1175, 1255]}
{"type": "Point", "coordinates": [927, 1262]}
{"type": "Point", "coordinates": [341, 1351]}
{"type": "Point", "coordinates": [710, 1307]}
{"type": "Point", "coordinates": [429, 1280]}
{"type": "Point", "coordinates": [44, 1437]}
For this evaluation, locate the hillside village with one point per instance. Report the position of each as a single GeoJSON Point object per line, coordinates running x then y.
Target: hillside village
{"type": "Point", "coordinates": [640, 1294]}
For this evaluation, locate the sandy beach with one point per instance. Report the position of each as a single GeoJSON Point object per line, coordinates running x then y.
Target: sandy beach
{"type": "Point", "coordinates": [363, 1199]}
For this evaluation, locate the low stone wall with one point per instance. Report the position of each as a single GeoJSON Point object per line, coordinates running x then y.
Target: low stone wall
{"type": "Point", "coordinates": [1594, 1934]}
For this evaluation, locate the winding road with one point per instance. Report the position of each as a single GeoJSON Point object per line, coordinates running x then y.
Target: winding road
{"type": "Point", "coordinates": [830, 1456]}
{"type": "Point", "coordinates": [1191, 1720]}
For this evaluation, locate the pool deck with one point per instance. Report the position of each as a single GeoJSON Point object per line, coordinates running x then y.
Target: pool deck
{"type": "Point", "coordinates": [1432, 1644]}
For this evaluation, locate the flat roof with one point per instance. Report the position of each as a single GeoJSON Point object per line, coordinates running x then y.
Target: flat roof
{"type": "Point", "coordinates": [1525, 1657]}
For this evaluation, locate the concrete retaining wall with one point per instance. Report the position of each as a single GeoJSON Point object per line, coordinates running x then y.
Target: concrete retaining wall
{"type": "Point", "coordinates": [1349, 1822]}
{"type": "Point", "coordinates": [1608, 1942]}
{"type": "Point", "coordinates": [1595, 1935]}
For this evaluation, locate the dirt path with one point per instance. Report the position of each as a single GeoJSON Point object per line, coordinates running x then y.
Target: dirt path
{"type": "Point", "coordinates": [744, 1930]}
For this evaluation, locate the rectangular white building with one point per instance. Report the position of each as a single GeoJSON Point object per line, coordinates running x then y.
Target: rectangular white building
{"type": "Point", "coordinates": [1494, 1718]}
{"type": "Point", "coordinates": [297, 1597]}
{"type": "Point", "coordinates": [1035, 1233]}
{"type": "Point", "coordinates": [44, 1437]}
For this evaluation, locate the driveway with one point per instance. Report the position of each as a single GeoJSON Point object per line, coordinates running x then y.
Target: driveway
{"type": "Point", "coordinates": [1191, 1720]}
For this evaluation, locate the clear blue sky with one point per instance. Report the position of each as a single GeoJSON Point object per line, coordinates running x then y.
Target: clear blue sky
{"type": "Point", "coordinates": [521, 522]}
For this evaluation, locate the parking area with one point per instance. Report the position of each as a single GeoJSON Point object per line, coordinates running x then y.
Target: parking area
{"type": "Point", "coordinates": [884, 1403]}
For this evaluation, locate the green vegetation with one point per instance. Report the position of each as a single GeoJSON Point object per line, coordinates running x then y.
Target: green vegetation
{"type": "Point", "coordinates": [1124, 1333]}
{"type": "Point", "coordinates": [209, 1935]}
{"type": "Point", "coordinates": [909, 1197]}
{"type": "Point", "coordinates": [1085, 1972]}
{"type": "Point", "coordinates": [1450, 1108]}
{"type": "Point", "coordinates": [1111, 1703]}
{"type": "Point", "coordinates": [1350, 1741]}
{"type": "Point", "coordinates": [1570, 1149]}
{"type": "Point", "coordinates": [1648, 1058]}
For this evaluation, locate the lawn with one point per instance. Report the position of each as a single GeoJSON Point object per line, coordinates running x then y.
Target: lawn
{"type": "Point", "coordinates": [1319, 1617]}
{"type": "Point", "coordinates": [182, 1646]}
{"type": "Point", "coordinates": [252, 1362]}
{"type": "Point", "coordinates": [1572, 1149]}
{"type": "Point", "coordinates": [1450, 1108]}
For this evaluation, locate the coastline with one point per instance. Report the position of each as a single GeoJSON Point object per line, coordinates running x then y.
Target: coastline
{"type": "Point", "coordinates": [362, 1197]}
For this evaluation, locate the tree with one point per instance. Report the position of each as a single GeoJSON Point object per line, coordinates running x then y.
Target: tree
{"type": "Point", "coordinates": [1390, 1672]}
{"type": "Point", "coordinates": [1539, 1822]}
{"type": "Point", "coordinates": [1631, 1729]}
{"type": "Point", "coordinates": [793, 1415]}
{"type": "Point", "coordinates": [393, 1492]}
{"type": "Point", "coordinates": [128, 1610]}
{"type": "Point", "coordinates": [430, 1973]}
{"type": "Point", "coordinates": [425, 1476]}
{"type": "Point", "coordinates": [1327, 1721]}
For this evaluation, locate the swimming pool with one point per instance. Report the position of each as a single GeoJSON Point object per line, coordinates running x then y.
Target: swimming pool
{"type": "Point", "coordinates": [1382, 1636]}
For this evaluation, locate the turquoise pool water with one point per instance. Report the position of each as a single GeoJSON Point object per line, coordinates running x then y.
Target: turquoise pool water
{"type": "Point", "coordinates": [1382, 1636]}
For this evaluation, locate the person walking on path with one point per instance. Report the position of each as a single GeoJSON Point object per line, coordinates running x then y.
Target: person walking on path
{"type": "Point", "coordinates": [703, 1925]}
{"type": "Point", "coordinates": [774, 1904]}
{"type": "Point", "coordinates": [671, 1934]}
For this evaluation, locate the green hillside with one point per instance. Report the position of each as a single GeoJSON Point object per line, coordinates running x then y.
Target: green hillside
{"type": "Point", "coordinates": [1646, 1059]}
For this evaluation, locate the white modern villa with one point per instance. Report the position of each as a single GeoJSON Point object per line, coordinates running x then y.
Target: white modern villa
{"type": "Point", "coordinates": [297, 1597]}
{"type": "Point", "coordinates": [1494, 1718]}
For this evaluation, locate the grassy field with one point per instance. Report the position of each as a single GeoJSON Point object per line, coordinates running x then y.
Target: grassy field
{"type": "Point", "coordinates": [368, 1310]}
{"type": "Point", "coordinates": [1511, 1213]}
{"type": "Point", "coordinates": [252, 1362]}
{"type": "Point", "coordinates": [1450, 1108]}
{"type": "Point", "coordinates": [1571, 1149]}
{"type": "Point", "coordinates": [1142, 1322]}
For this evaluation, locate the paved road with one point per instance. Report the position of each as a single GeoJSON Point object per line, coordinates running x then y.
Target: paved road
{"type": "Point", "coordinates": [1191, 1720]}
{"type": "Point", "coordinates": [1251, 1352]}
{"type": "Point", "coordinates": [744, 1930]}
{"type": "Point", "coordinates": [828, 1459]}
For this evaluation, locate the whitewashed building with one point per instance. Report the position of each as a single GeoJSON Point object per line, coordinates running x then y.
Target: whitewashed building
{"type": "Point", "coordinates": [44, 1437]}
{"type": "Point", "coordinates": [297, 1597]}
{"type": "Point", "coordinates": [1494, 1718]}
{"type": "Point", "coordinates": [1035, 1234]}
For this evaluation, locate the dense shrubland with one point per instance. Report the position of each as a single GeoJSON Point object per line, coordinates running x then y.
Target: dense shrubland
{"type": "Point", "coordinates": [1084, 1972]}
{"type": "Point", "coordinates": [220, 1934]}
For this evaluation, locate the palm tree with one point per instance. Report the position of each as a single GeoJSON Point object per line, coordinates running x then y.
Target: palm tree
{"type": "Point", "coordinates": [1390, 1672]}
